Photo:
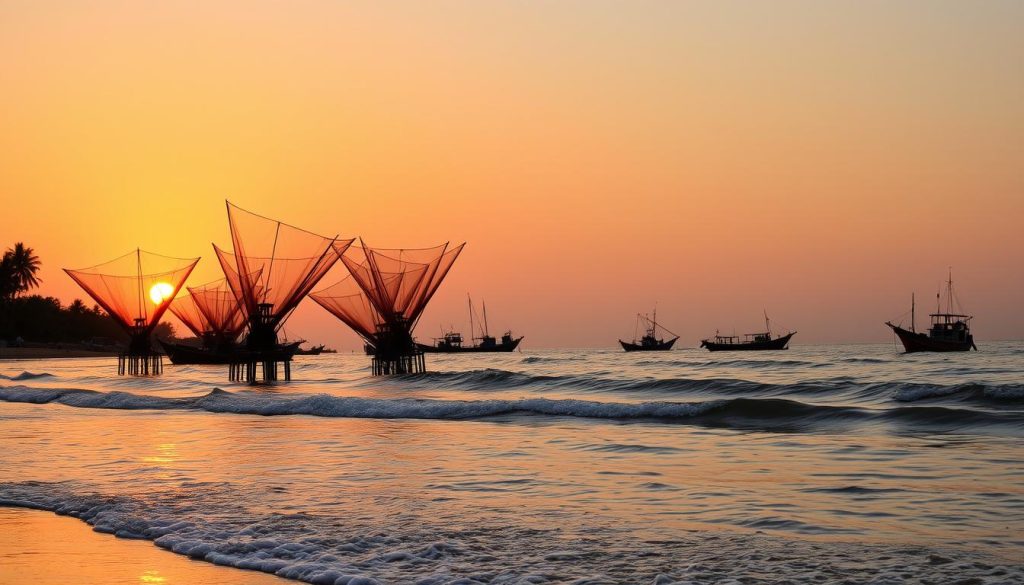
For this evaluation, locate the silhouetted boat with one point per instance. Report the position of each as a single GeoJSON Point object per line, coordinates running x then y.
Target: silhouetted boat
{"type": "Point", "coordinates": [182, 354]}
{"type": "Point", "coordinates": [451, 342]}
{"type": "Point", "coordinates": [750, 341]}
{"type": "Point", "coordinates": [649, 341]}
{"type": "Point", "coordinates": [315, 350]}
{"type": "Point", "coordinates": [950, 331]}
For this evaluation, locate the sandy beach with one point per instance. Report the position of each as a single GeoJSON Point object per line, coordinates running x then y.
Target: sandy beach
{"type": "Point", "coordinates": [46, 549]}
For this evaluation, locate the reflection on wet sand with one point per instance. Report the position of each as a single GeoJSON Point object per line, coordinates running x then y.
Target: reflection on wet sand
{"type": "Point", "coordinates": [44, 549]}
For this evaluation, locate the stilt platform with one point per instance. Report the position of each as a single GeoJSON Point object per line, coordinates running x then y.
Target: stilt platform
{"type": "Point", "coordinates": [404, 364]}
{"type": "Point", "coordinates": [250, 368]}
{"type": "Point", "coordinates": [140, 364]}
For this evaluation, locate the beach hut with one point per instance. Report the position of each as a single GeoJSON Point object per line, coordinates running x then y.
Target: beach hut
{"type": "Point", "coordinates": [136, 290]}
{"type": "Point", "coordinates": [383, 297]}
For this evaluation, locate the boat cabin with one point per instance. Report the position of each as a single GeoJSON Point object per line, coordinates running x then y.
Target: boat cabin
{"type": "Point", "coordinates": [747, 338]}
{"type": "Point", "coordinates": [451, 339]}
{"type": "Point", "coordinates": [950, 327]}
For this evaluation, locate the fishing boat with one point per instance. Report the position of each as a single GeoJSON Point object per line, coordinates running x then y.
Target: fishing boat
{"type": "Point", "coordinates": [315, 350]}
{"type": "Point", "coordinates": [750, 341]}
{"type": "Point", "coordinates": [184, 354]}
{"type": "Point", "coordinates": [950, 330]}
{"type": "Point", "coordinates": [452, 341]}
{"type": "Point", "coordinates": [649, 341]}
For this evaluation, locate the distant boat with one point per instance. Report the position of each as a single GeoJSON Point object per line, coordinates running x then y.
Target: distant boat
{"type": "Point", "coordinates": [750, 341]}
{"type": "Point", "coordinates": [950, 331]}
{"type": "Point", "coordinates": [452, 342]}
{"type": "Point", "coordinates": [315, 350]}
{"type": "Point", "coordinates": [649, 341]}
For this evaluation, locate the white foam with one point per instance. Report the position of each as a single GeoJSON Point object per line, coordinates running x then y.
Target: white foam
{"type": "Point", "coordinates": [325, 405]}
{"type": "Point", "coordinates": [312, 549]}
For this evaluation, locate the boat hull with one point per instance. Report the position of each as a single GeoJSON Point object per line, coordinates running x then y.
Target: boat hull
{"type": "Point", "coordinates": [496, 348]}
{"type": "Point", "coordinates": [663, 346]}
{"type": "Point", "coordinates": [774, 344]}
{"type": "Point", "coordinates": [180, 354]}
{"type": "Point", "coordinates": [917, 342]}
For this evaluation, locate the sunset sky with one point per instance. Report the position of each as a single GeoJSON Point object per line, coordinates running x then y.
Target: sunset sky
{"type": "Point", "coordinates": [820, 160]}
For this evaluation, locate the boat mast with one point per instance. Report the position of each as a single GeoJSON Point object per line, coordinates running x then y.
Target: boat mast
{"type": "Point", "coordinates": [472, 331]}
{"type": "Point", "coordinates": [138, 273]}
{"type": "Point", "coordinates": [949, 292]}
{"type": "Point", "coordinates": [487, 331]}
{"type": "Point", "coordinates": [913, 328]}
{"type": "Point", "coordinates": [767, 324]}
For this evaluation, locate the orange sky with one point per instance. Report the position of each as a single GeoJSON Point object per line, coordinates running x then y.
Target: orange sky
{"type": "Point", "coordinates": [820, 160]}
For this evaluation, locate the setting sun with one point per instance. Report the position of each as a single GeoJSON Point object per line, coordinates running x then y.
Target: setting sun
{"type": "Point", "coordinates": [160, 292]}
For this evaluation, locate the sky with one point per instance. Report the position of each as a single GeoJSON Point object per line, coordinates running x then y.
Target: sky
{"type": "Point", "coordinates": [818, 160]}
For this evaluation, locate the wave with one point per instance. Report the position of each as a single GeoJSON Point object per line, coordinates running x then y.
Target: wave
{"type": "Point", "coordinates": [210, 521]}
{"type": "Point", "coordinates": [26, 376]}
{"type": "Point", "coordinates": [833, 388]}
{"type": "Point", "coordinates": [770, 414]}
{"type": "Point", "coordinates": [961, 392]}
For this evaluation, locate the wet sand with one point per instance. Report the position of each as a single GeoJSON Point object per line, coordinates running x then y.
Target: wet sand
{"type": "Point", "coordinates": [45, 549]}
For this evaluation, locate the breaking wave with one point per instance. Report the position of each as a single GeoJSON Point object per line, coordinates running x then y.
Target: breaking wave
{"type": "Point", "coordinates": [875, 392]}
{"type": "Point", "coordinates": [26, 376]}
{"type": "Point", "coordinates": [775, 414]}
{"type": "Point", "coordinates": [207, 521]}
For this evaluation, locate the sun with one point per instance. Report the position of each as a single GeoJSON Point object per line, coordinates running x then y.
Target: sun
{"type": "Point", "coordinates": [160, 292]}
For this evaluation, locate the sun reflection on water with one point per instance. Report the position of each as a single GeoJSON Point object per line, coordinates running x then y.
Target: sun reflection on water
{"type": "Point", "coordinates": [151, 577]}
{"type": "Point", "coordinates": [166, 453]}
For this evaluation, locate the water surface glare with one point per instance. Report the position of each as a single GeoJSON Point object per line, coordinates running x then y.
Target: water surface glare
{"type": "Point", "coordinates": [591, 466]}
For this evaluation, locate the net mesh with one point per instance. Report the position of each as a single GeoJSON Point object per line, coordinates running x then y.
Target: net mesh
{"type": "Point", "coordinates": [219, 308]}
{"type": "Point", "coordinates": [137, 288]}
{"type": "Point", "coordinates": [387, 289]}
{"type": "Point", "coordinates": [187, 311]}
{"type": "Point", "coordinates": [273, 263]}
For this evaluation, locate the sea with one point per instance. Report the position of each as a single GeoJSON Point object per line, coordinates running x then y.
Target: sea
{"type": "Point", "coordinates": [820, 464]}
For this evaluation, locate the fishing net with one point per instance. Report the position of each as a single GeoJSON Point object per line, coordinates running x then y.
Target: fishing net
{"type": "Point", "coordinates": [387, 289]}
{"type": "Point", "coordinates": [137, 288]}
{"type": "Point", "coordinates": [187, 311]}
{"type": "Point", "coordinates": [219, 307]}
{"type": "Point", "coordinates": [274, 264]}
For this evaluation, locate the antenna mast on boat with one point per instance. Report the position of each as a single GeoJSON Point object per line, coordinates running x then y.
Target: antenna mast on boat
{"type": "Point", "coordinates": [487, 332]}
{"type": "Point", "coordinates": [913, 326]}
{"type": "Point", "coordinates": [949, 292]}
{"type": "Point", "coordinates": [767, 324]}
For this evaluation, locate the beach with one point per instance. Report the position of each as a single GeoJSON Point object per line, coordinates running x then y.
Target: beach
{"type": "Point", "coordinates": [45, 549]}
{"type": "Point", "coordinates": [834, 463]}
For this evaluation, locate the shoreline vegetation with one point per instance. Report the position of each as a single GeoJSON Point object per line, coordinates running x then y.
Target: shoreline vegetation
{"type": "Point", "coordinates": [34, 326]}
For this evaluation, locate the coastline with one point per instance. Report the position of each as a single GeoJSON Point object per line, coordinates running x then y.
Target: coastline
{"type": "Point", "coordinates": [43, 548]}
{"type": "Point", "coordinates": [38, 353]}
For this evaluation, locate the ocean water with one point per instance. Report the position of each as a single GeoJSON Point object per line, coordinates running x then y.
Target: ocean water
{"type": "Point", "coordinates": [848, 464]}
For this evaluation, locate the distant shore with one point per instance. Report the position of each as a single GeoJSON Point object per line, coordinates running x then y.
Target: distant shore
{"type": "Point", "coordinates": [35, 353]}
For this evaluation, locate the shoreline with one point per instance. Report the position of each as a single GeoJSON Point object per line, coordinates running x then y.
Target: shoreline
{"type": "Point", "coordinates": [40, 353]}
{"type": "Point", "coordinates": [44, 548]}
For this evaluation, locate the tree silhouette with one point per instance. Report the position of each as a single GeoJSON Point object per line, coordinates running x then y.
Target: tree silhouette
{"type": "Point", "coordinates": [8, 280]}
{"type": "Point", "coordinates": [23, 265]}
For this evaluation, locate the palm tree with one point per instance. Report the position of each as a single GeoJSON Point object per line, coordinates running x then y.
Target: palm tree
{"type": "Point", "coordinates": [78, 307]}
{"type": "Point", "coordinates": [8, 280]}
{"type": "Point", "coordinates": [24, 264]}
